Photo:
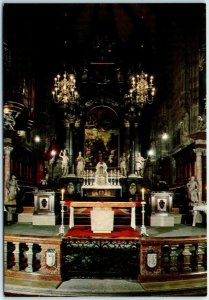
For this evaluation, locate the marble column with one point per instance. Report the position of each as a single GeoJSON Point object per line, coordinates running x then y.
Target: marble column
{"type": "Point", "coordinates": [173, 170]}
{"type": "Point", "coordinates": [136, 137]}
{"type": "Point", "coordinates": [199, 152]}
{"type": "Point", "coordinates": [126, 137]}
{"type": "Point", "coordinates": [69, 145]}
{"type": "Point", "coordinates": [7, 152]}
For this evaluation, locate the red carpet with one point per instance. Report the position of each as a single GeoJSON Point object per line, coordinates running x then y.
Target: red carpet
{"type": "Point", "coordinates": [119, 231]}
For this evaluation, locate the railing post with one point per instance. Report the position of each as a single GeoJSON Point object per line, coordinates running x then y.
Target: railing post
{"type": "Point", "coordinates": [200, 256]}
{"type": "Point", "coordinates": [5, 255]}
{"type": "Point", "coordinates": [16, 253]}
{"type": "Point", "coordinates": [187, 258]}
{"type": "Point", "coordinates": [29, 254]}
{"type": "Point", "coordinates": [173, 259]}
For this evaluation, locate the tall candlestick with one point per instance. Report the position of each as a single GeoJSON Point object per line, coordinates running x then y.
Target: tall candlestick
{"type": "Point", "coordinates": [62, 191]}
{"type": "Point", "coordinates": [142, 190]}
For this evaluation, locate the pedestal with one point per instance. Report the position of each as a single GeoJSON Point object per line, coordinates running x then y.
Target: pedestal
{"type": "Point", "coordinates": [102, 220]}
{"type": "Point", "coordinates": [26, 216]}
{"type": "Point", "coordinates": [44, 208]}
{"type": "Point", "coordinates": [44, 220]}
{"type": "Point", "coordinates": [162, 220]}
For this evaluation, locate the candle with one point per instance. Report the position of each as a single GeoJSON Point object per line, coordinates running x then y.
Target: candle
{"type": "Point", "coordinates": [142, 190]}
{"type": "Point", "coordinates": [62, 191]}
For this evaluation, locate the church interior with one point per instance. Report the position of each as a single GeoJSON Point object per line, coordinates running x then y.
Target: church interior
{"type": "Point", "coordinates": [104, 149]}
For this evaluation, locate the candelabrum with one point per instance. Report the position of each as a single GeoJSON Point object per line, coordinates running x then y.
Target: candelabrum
{"type": "Point", "coordinates": [65, 89]}
{"type": "Point", "coordinates": [62, 227]}
{"type": "Point", "coordinates": [142, 89]}
{"type": "Point", "coordinates": [143, 228]}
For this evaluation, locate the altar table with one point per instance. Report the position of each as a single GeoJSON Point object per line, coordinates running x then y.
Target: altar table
{"type": "Point", "coordinates": [197, 208]}
{"type": "Point", "coordinates": [131, 205]}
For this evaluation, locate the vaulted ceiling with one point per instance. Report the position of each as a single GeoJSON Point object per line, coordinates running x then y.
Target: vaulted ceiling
{"type": "Point", "coordinates": [54, 34]}
{"type": "Point", "coordinates": [45, 39]}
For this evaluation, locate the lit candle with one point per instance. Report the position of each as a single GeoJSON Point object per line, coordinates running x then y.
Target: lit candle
{"type": "Point", "coordinates": [142, 190]}
{"type": "Point", "coordinates": [62, 191]}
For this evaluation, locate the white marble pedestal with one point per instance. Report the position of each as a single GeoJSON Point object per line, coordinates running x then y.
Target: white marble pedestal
{"type": "Point", "coordinates": [102, 220]}
{"type": "Point", "coordinates": [44, 220]}
{"type": "Point", "coordinates": [162, 220]}
{"type": "Point", "coordinates": [26, 216]}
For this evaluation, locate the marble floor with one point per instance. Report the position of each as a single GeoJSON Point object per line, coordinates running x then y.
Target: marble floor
{"type": "Point", "coordinates": [43, 230]}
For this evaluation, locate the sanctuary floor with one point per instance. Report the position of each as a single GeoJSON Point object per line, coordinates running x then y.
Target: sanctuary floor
{"type": "Point", "coordinates": [176, 231]}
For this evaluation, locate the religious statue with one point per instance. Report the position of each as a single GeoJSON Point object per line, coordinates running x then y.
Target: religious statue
{"type": "Point", "coordinates": [65, 162]}
{"type": "Point", "coordinates": [192, 186]}
{"type": "Point", "coordinates": [123, 165]}
{"type": "Point", "coordinates": [12, 187]}
{"type": "Point", "coordinates": [139, 164]}
{"type": "Point", "coordinates": [80, 165]}
{"type": "Point", "coordinates": [9, 120]}
{"type": "Point", "coordinates": [101, 174]}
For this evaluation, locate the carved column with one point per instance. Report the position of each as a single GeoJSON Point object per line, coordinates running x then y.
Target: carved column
{"type": "Point", "coordinates": [200, 252]}
{"type": "Point", "coordinates": [29, 254]}
{"type": "Point", "coordinates": [187, 258]}
{"type": "Point", "coordinates": [199, 152]}
{"type": "Point", "coordinates": [173, 259]}
{"type": "Point", "coordinates": [7, 152]}
{"type": "Point", "coordinates": [5, 254]}
{"type": "Point", "coordinates": [16, 252]}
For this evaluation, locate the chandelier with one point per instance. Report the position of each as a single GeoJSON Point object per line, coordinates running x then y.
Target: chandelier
{"type": "Point", "coordinates": [142, 89]}
{"type": "Point", "coordinates": [64, 91]}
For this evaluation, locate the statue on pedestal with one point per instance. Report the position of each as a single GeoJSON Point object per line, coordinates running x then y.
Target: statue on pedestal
{"type": "Point", "coordinates": [139, 164]}
{"type": "Point", "coordinates": [80, 165]}
{"type": "Point", "coordinates": [123, 165]}
{"type": "Point", "coordinates": [192, 186]}
{"type": "Point", "coordinates": [65, 162]}
{"type": "Point", "coordinates": [13, 188]}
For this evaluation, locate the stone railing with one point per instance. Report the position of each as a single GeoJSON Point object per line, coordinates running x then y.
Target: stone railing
{"type": "Point", "coordinates": [32, 257]}
{"type": "Point", "coordinates": [160, 259]}
{"type": "Point", "coordinates": [172, 258]}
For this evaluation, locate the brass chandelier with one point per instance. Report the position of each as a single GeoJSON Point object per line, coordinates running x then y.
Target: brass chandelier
{"type": "Point", "coordinates": [64, 91]}
{"type": "Point", "coordinates": [142, 89]}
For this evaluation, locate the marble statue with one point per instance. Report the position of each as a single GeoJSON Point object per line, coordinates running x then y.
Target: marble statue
{"type": "Point", "coordinates": [80, 165]}
{"type": "Point", "coordinates": [65, 162]}
{"type": "Point", "coordinates": [192, 186]}
{"type": "Point", "coordinates": [101, 174]}
{"type": "Point", "coordinates": [12, 187]}
{"type": "Point", "coordinates": [139, 164]}
{"type": "Point", "coordinates": [123, 165]}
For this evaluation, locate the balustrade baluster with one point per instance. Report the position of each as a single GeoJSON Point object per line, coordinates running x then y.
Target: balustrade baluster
{"type": "Point", "coordinates": [16, 253]}
{"type": "Point", "coordinates": [173, 259]}
{"type": "Point", "coordinates": [200, 257]}
{"type": "Point", "coordinates": [5, 254]}
{"type": "Point", "coordinates": [187, 258]}
{"type": "Point", "coordinates": [29, 254]}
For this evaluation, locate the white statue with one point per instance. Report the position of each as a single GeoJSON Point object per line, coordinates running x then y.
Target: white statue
{"type": "Point", "coordinates": [80, 165]}
{"type": "Point", "coordinates": [101, 174]}
{"type": "Point", "coordinates": [65, 162]}
{"type": "Point", "coordinates": [192, 186]}
{"type": "Point", "coordinates": [12, 187]}
{"type": "Point", "coordinates": [123, 165]}
{"type": "Point", "coordinates": [139, 164]}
